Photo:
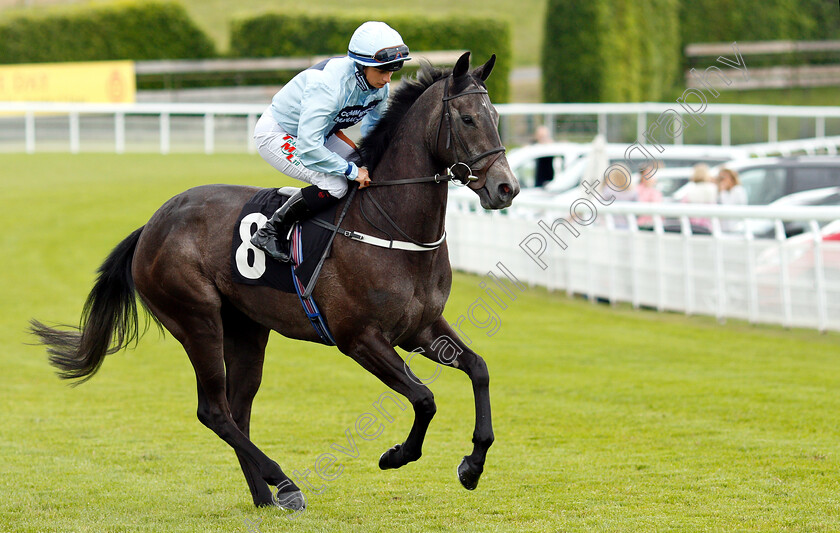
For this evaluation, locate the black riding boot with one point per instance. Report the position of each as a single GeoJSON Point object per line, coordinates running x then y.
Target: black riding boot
{"type": "Point", "coordinates": [271, 238]}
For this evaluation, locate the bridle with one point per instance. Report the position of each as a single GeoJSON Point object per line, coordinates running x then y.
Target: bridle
{"type": "Point", "coordinates": [451, 131]}
{"type": "Point", "coordinates": [461, 172]}
{"type": "Point", "coordinates": [449, 175]}
{"type": "Point", "coordinates": [464, 175]}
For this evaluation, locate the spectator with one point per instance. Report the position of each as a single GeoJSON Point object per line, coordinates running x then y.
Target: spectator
{"type": "Point", "coordinates": [646, 191]}
{"type": "Point", "coordinates": [627, 194]}
{"type": "Point", "coordinates": [545, 165]}
{"type": "Point", "coordinates": [730, 192]}
{"type": "Point", "coordinates": [701, 190]}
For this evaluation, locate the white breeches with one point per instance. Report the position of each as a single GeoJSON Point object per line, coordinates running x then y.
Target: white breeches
{"type": "Point", "coordinates": [278, 148]}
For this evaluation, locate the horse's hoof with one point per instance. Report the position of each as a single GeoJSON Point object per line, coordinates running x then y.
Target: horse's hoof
{"type": "Point", "coordinates": [468, 475]}
{"type": "Point", "coordinates": [292, 501]}
{"type": "Point", "coordinates": [388, 460]}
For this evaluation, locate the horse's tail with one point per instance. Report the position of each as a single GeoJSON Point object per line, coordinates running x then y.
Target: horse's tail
{"type": "Point", "coordinates": [108, 323]}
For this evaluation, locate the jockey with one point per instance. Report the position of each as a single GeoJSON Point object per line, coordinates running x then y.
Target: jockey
{"type": "Point", "coordinates": [300, 132]}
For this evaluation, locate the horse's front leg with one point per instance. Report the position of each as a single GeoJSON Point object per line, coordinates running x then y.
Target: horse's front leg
{"type": "Point", "coordinates": [377, 356]}
{"type": "Point", "coordinates": [440, 343]}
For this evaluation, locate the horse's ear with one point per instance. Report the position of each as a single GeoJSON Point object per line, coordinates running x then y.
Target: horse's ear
{"type": "Point", "coordinates": [462, 66]}
{"type": "Point", "coordinates": [483, 72]}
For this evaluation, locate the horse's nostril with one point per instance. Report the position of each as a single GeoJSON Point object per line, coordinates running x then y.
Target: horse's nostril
{"type": "Point", "coordinates": [504, 189]}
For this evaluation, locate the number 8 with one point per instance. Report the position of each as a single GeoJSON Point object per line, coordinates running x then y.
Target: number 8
{"type": "Point", "coordinates": [257, 269]}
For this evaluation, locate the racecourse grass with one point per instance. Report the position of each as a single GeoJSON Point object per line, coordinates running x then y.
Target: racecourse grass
{"type": "Point", "coordinates": [606, 419]}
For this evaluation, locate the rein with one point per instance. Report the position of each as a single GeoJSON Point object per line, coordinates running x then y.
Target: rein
{"type": "Point", "coordinates": [449, 175]}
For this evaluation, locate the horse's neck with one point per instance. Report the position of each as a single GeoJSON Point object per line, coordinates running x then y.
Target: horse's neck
{"type": "Point", "coordinates": [419, 209]}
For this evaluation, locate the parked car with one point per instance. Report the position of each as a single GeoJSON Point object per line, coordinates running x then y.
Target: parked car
{"type": "Point", "coordinates": [822, 197]}
{"type": "Point", "coordinates": [526, 161]}
{"type": "Point", "coordinates": [571, 169]}
{"type": "Point", "coordinates": [673, 156]}
{"type": "Point", "coordinates": [569, 160]}
{"type": "Point", "coordinates": [770, 178]}
{"type": "Point", "coordinates": [799, 253]}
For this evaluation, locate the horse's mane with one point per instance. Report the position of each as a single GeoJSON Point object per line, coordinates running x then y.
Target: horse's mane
{"type": "Point", "coordinates": [373, 146]}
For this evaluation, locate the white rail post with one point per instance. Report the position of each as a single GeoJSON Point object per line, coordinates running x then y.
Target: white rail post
{"type": "Point", "coordinates": [688, 265]}
{"type": "Point", "coordinates": [164, 133]}
{"type": "Point", "coordinates": [725, 130]}
{"type": "Point", "coordinates": [720, 271]}
{"type": "Point", "coordinates": [74, 132]}
{"type": "Point", "coordinates": [119, 132]}
{"type": "Point", "coordinates": [209, 133]}
{"type": "Point", "coordinates": [29, 132]}
{"type": "Point", "coordinates": [820, 133]}
{"type": "Point", "coordinates": [602, 124]}
{"type": "Point", "coordinates": [819, 276]}
{"type": "Point", "coordinates": [613, 277]}
{"type": "Point", "coordinates": [659, 230]}
{"type": "Point", "coordinates": [568, 268]}
{"type": "Point", "coordinates": [641, 125]}
{"type": "Point", "coordinates": [252, 123]}
{"type": "Point", "coordinates": [590, 268]}
{"type": "Point", "coordinates": [772, 128]}
{"type": "Point", "coordinates": [634, 262]}
{"type": "Point", "coordinates": [784, 274]}
{"type": "Point", "coordinates": [752, 282]}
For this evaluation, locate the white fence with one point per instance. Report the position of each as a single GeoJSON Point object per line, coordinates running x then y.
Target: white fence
{"type": "Point", "coordinates": [163, 127]}
{"type": "Point", "coordinates": [167, 127]}
{"type": "Point", "coordinates": [810, 121]}
{"type": "Point", "coordinates": [792, 282]}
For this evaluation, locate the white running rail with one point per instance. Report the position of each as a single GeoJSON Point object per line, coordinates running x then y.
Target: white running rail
{"type": "Point", "coordinates": [794, 282]}
{"type": "Point", "coordinates": [21, 122]}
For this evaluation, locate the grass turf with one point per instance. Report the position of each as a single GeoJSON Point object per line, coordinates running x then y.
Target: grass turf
{"type": "Point", "coordinates": [606, 419]}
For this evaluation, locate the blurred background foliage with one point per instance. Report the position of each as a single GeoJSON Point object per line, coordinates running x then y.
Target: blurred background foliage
{"type": "Point", "coordinates": [595, 51]}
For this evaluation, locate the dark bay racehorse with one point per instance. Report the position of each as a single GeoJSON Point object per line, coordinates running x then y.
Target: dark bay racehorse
{"type": "Point", "coordinates": [373, 298]}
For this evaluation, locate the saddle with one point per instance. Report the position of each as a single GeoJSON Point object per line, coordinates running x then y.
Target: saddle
{"type": "Point", "coordinates": [252, 266]}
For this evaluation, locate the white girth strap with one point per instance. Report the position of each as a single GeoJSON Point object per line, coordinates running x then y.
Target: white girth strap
{"type": "Point", "coordinates": [395, 245]}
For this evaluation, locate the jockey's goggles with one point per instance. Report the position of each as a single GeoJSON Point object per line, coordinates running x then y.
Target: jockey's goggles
{"type": "Point", "coordinates": [390, 59]}
{"type": "Point", "coordinates": [392, 53]}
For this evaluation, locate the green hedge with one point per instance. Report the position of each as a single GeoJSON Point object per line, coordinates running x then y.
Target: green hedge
{"type": "Point", "coordinates": [724, 21]}
{"type": "Point", "coordinates": [136, 30]}
{"type": "Point", "coordinates": [271, 35]}
{"type": "Point", "coordinates": [712, 21]}
{"type": "Point", "coordinates": [610, 50]}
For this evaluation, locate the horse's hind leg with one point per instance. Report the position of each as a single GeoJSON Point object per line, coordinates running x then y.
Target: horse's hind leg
{"type": "Point", "coordinates": [441, 344]}
{"type": "Point", "coordinates": [200, 331]}
{"type": "Point", "coordinates": [215, 413]}
{"type": "Point", "coordinates": [379, 358]}
{"type": "Point", "coordinates": [245, 342]}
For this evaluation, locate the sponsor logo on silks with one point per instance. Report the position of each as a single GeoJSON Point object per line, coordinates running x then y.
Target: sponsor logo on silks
{"type": "Point", "coordinates": [351, 115]}
{"type": "Point", "coordinates": [289, 148]}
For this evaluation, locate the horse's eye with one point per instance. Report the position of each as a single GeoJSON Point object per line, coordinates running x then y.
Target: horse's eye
{"type": "Point", "coordinates": [468, 120]}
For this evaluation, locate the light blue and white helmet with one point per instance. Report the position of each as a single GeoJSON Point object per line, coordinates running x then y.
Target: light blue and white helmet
{"type": "Point", "coordinates": [375, 44]}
